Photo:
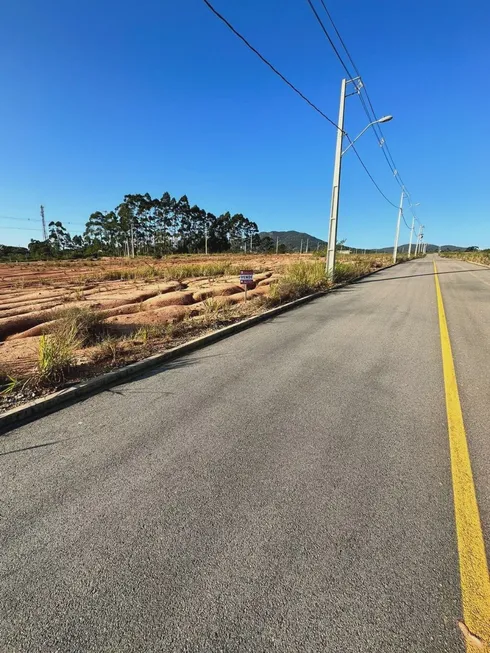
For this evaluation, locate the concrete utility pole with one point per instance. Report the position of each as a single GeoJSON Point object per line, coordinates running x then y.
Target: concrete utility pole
{"type": "Point", "coordinates": [397, 233]}
{"type": "Point", "coordinates": [301, 247]}
{"type": "Point", "coordinates": [206, 240]}
{"type": "Point", "coordinates": [45, 231]}
{"type": "Point", "coordinates": [411, 234]}
{"type": "Point", "coordinates": [277, 244]}
{"type": "Point", "coordinates": [307, 243]}
{"type": "Point", "coordinates": [334, 204]}
{"type": "Point", "coordinates": [419, 241]}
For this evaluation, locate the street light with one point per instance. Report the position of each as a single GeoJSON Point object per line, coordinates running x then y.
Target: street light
{"type": "Point", "coordinates": [375, 122]}
{"type": "Point", "coordinates": [334, 205]}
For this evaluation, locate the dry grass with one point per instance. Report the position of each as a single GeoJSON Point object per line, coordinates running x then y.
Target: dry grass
{"type": "Point", "coordinates": [107, 349]}
{"type": "Point", "coordinates": [79, 344]}
{"type": "Point", "coordinates": [168, 273]}
{"type": "Point", "coordinates": [85, 323]}
{"type": "Point", "coordinates": [471, 257]}
{"type": "Point", "coordinates": [300, 278]}
{"type": "Point", "coordinates": [56, 355]}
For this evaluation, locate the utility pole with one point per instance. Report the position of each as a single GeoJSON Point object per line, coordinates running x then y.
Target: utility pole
{"type": "Point", "coordinates": [45, 232]}
{"type": "Point", "coordinates": [277, 244]}
{"type": "Point", "coordinates": [419, 236]}
{"type": "Point", "coordinates": [411, 234]}
{"type": "Point", "coordinates": [334, 205]}
{"type": "Point", "coordinates": [250, 243]}
{"type": "Point", "coordinates": [301, 247]}
{"type": "Point", "coordinates": [397, 234]}
{"type": "Point", "coordinates": [307, 243]}
{"type": "Point", "coordinates": [206, 240]}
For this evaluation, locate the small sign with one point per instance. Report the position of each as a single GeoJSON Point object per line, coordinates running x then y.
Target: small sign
{"type": "Point", "coordinates": [246, 277]}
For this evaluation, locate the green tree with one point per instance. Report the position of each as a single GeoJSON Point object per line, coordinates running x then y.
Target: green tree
{"type": "Point", "coordinates": [59, 237]}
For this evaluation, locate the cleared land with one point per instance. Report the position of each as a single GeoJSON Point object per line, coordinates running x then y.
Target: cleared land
{"type": "Point", "coordinates": [63, 321]}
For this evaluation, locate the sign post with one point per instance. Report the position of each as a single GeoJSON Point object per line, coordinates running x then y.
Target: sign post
{"type": "Point", "coordinates": [246, 279]}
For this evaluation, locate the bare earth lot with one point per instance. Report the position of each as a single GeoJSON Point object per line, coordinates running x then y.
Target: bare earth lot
{"type": "Point", "coordinates": [143, 305]}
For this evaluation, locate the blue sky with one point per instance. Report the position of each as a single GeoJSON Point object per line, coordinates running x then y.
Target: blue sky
{"type": "Point", "coordinates": [102, 98]}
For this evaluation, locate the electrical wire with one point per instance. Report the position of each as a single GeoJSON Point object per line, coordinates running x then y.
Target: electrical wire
{"type": "Point", "coordinates": [370, 175]}
{"type": "Point", "coordinates": [8, 217]}
{"type": "Point", "coordinates": [242, 38]}
{"type": "Point", "coordinates": [262, 58]}
{"type": "Point", "coordinates": [320, 22]}
{"type": "Point", "coordinates": [376, 127]}
{"type": "Point", "coordinates": [406, 225]}
{"type": "Point", "coordinates": [22, 228]}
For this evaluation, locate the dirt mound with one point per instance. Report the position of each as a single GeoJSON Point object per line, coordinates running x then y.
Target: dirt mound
{"type": "Point", "coordinates": [222, 290]}
{"type": "Point", "coordinates": [123, 324]}
{"type": "Point", "coordinates": [168, 299]}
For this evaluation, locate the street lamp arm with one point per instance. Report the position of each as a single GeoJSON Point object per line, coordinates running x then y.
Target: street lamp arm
{"type": "Point", "coordinates": [375, 122]}
{"type": "Point", "coordinates": [357, 137]}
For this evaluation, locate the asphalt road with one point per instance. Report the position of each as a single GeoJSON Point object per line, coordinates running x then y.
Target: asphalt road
{"type": "Point", "coordinates": [287, 489]}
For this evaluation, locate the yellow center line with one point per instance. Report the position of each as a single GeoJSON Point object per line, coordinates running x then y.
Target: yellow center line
{"type": "Point", "coordinates": [473, 567]}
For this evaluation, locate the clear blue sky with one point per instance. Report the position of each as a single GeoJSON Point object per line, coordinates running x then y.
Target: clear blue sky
{"type": "Point", "coordinates": [102, 98]}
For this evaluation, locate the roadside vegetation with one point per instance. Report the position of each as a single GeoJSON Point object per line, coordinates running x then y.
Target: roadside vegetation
{"type": "Point", "coordinates": [470, 256]}
{"type": "Point", "coordinates": [79, 341]}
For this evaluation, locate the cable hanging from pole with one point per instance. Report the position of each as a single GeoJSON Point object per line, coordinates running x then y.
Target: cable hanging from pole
{"type": "Point", "coordinates": [268, 63]}
{"type": "Point", "coordinates": [296, 90]}
{"type": "Point", "coordinates": [370, 113]}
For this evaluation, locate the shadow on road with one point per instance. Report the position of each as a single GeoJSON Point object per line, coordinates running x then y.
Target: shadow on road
{"type": "Point", "coordinates": [122, 388]}
{"type": "Point", "coordinates": [34, 446]}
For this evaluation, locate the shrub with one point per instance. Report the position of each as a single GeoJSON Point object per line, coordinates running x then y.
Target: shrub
{"type": "Point", "coordinates": [57, 353]}
{"type": "Point", "coordinates": [85, 324]}
{"type": "Point", "coordinates": [107, 348]}
{"type": "Point", "coordinates": [300, 278]}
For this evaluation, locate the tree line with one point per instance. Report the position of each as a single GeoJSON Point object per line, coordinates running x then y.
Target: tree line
{"type": "Point", "coordinates": [142, 225]}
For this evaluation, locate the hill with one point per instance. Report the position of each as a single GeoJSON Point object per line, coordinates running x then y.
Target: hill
{"type": "Point", "coordinates": [292, 240]}
{"type": "Point", "coordinates": [430, 249]}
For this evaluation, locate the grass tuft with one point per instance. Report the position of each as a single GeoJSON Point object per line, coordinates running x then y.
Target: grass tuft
{"type": "Point", "coordinates": [300, 278]}
{"type": "Point", "coordinates": [8, 384]}
{"type": "Point", "coordinates": [85, 323]}
{"type": "Point", "coordinates": [56, 355]}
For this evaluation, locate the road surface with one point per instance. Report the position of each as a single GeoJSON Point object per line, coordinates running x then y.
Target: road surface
{"type": "Point", "coordinates": [287, 489]}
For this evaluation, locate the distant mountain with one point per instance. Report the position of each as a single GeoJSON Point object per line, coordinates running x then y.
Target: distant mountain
{"type": "Point", "coordinates": [430, 249]}
{"type": "Point", "coordinates": [292, 240]}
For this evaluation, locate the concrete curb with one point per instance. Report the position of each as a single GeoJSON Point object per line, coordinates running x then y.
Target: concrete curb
{"type": "Point", "coordinates": [57, 400]}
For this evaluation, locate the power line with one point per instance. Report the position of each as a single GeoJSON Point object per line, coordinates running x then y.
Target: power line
{"type": "Point", "coordinates": [406, 225]}
{"type": "Point", "coordinates": [262, 58]}
{"type": "Point", "coordinates": [328, 37]}
{"type": "Point", "coordinates": [228, 24]}
{"type": "Point", "coordinates": [8, 217]}
{"type": "Point", "coordinates": [22, 228]}
{"type": "Point", "coordinates": [370, 175]}
{"type": "Point", "coordinates": [376, 127]}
